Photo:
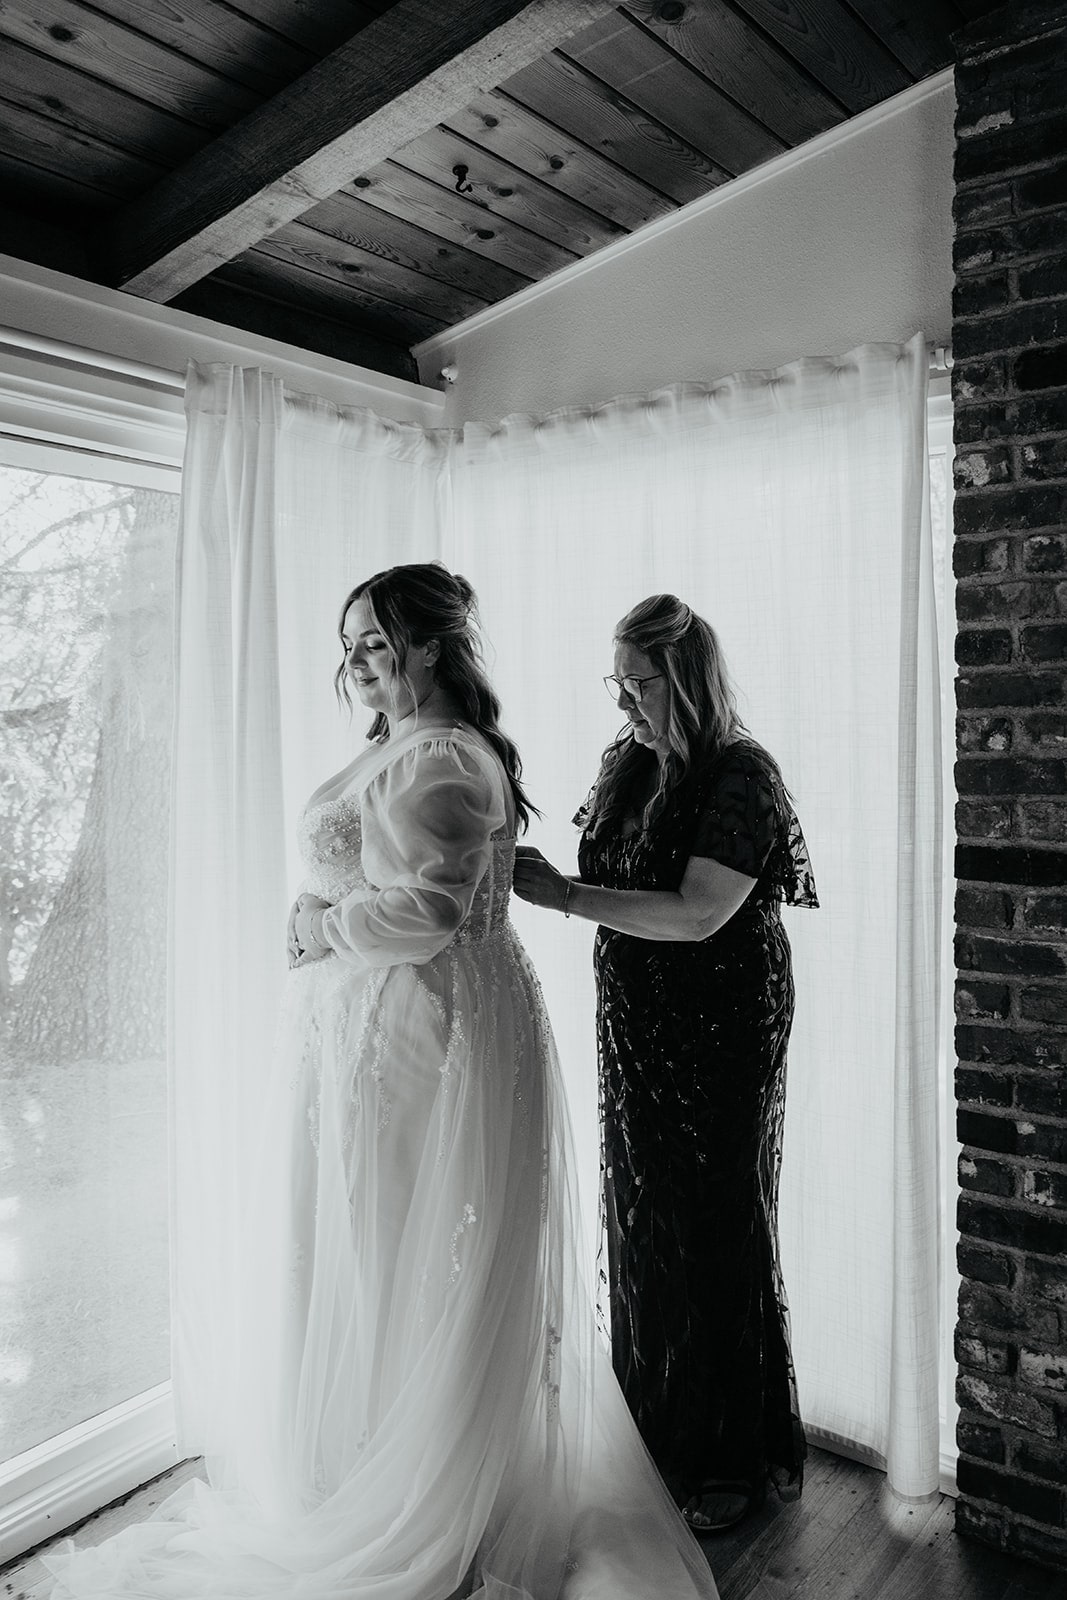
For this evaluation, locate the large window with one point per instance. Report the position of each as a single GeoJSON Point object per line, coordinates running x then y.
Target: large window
{"type": "Point", "coordinates": [86, 597]}
{"type": "Point", "coordinates": [90, 459]}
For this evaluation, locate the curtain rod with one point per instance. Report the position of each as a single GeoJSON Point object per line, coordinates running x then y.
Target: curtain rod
{"type": "Point", "coordinates": [95, 360]}
{"type": "Point", "coordinates": [164, 377]}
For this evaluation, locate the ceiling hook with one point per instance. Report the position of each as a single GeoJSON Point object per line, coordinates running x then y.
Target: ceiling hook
{"type": "Point", "coordinates": [460, 174]}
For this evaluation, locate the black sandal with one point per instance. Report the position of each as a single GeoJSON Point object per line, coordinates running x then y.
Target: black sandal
{"type": "Point", "coordinates": [731, 1486]}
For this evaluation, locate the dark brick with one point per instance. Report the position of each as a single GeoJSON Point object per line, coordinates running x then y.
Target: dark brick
{"type": "Point", "coordinates": [1046, 732]}
{"type": "Point", "coordinates": [984, 819]}
{"type": "Point", "coordinates": [974, 557]}
{"type": "Point", "coordinates": [982, 111]}
{"type": "Point", "coordinates": [1007, 1047]}
{"type": "Point", "coordinates": [986, 647]}
{"type": "Point", "coordinates": [1045, 552]}
{"type": "Point", "coordinates": [1038, 323]}
{"type": "Point", "coordinates": [978, 380]}
{"type": "Point", "coordinates": [1047, 1280]}
{"type": "Point", "coordinates": [977, 250]}
{"type": "Point", "coordinates": [980, 1356]}
{"type": "Point", "coordinates": [978, 1087]}
{"type": "Point", "coordinates": [1043, 279]}
{"type": "Point", "coordinates": [976, 424]}
{"type": "Point", "coordinates": [1047, 912]}
{"type": "Point", "coordinates": [1044, 1189]}
{"type": "Point", "coordinates": [987, 1177]}
{"type": "Point", "coordinates": [1039, 234]}
{"type": "Point", "coordinates": [1007, 148]}
{"type": "Point", "coordinates": [1012, 44]}
{"type": "Point", "coordinates": [1040, 91]}
{"type": "Point", "coordinates": [1010, 510]}
{"type": "Point", "coordinates": [1039, 413]}
{"type": "Point", "coordinates": [1045, 642]}
{"type": "Point", "coordinates": [983, 908]}
{"type": "Point", "coordinates": [1044, 1005]}
{"type": "Point", "coordinates": [1025, 957]}
{"type": "Point", "coordinates": [1045, 1547]}
{"type": "Point", "coordinates": [1040, 369]}
{"type": "Point", "coordinates": [1041, 1093]}
{"type": "Point", "coordinates": [989, 1398]}
{"type": "Point", "coordinates": [1041, 1369]}
{"type": "Point", "coordinates": [986, 1267]}
{"type": "Point", "coordinates": [986, 690]}
{"type": "Point", "coordinates": [990, 1002]}
{"type": "Point", "coordinates": [1040, 191]}
{"type": "Point", "coordinates": [991, 203]}
{"type": "Point", "coordinates": [1009, 775]}
{"type": "Point", "coordinates": [1043, 819]}
{"type": "Point", "coordinates": [1031, 866]}
{"type": "Point", "coordinates": [1039, 1460]}
{"type": "Point", "coordinates": [979, 1523]}
{"type": "Point", "coordinates": [984, 733]}
{"type": "Point", "coordinates": [985, 1308]}
{"type": "Point", "coordinates": [972, 296]}
{"type": "Point", "coordinates": [978, 469]}
{"type": "Point", "coordinates": [1004, 602]}
{"type": "Point", "coordinates": [1043, 1141]}
{"type": "Point", "coordinates": [976, 1439]}
{"type": "Point", "coordinates": [1042, 459]}
{"type": "Point", "coordinates": [979, 1131]}
{"type": "Point", "coordinates": [1042, 1235]}
{"type": "Point", "coordinates": [1034, 1500]}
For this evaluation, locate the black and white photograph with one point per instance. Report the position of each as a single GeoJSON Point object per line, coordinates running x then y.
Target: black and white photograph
{"type": "Point", "coordinates": [533, 800]}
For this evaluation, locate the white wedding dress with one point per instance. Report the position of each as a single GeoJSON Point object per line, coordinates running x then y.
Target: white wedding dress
{"type": "Point", "coordinates": [426, 1411]}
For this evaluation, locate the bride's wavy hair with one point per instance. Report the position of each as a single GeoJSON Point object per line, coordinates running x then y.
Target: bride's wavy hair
{"type": "Point", "coordinates": [701, 709]}
{"type": "Point", "coordinates": [421, 601]}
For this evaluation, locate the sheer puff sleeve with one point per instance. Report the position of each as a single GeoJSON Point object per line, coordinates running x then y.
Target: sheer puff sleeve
{"type": "Point", "coordinates": [748, 823]}
{"type": "Point", "coordinates": [428, 819]}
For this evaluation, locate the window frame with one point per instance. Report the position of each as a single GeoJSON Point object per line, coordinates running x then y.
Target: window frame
{"type": "Point", "coordinates": [64, 414]}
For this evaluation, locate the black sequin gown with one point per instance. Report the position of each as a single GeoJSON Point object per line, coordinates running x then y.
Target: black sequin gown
{"type": "Point", "coordinates": [692, 1043]}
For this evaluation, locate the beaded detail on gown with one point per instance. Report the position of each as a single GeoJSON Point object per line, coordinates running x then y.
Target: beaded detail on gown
{"type": "Point", "coordinates": [692, 1045]}
{"type": "Point", "coordinates": [421, 1409]}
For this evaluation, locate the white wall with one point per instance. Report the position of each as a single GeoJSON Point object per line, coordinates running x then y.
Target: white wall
{"type": "Point", "coordinates": [847, 240]}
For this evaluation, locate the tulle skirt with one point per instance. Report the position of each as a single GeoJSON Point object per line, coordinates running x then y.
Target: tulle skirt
{"type": "Point", "coordinates": [419, 1406]}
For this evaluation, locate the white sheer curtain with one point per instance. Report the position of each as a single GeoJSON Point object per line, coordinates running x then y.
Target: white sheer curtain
{"type": "Point", "coordinates": [287, 502]}
{"type": "Point", "coordinates": [789, 508]}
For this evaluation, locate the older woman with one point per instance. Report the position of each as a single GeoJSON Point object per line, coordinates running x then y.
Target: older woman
{"type": "Point", "coordinates": [689, 846]}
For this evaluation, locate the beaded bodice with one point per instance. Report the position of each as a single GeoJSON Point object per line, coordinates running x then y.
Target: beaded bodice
{"type": "Point", "coordinates": [330, 839]}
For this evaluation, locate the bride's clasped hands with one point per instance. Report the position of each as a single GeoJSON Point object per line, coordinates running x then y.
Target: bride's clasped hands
{"type": "Point", "coordinates": [301, 943]}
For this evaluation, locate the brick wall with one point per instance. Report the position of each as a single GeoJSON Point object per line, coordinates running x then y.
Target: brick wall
{"type": "Point", "coordinates": [1010, 397]}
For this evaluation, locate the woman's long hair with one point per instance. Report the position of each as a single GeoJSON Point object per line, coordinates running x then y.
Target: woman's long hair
{"type": "Point", "coordinates": [702, 714]}
{"type": "Point", "coordinates": [421, 601]}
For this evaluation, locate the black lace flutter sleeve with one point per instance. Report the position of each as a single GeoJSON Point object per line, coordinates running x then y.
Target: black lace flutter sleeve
{"type": "Point", "coordinates": [747, 822]}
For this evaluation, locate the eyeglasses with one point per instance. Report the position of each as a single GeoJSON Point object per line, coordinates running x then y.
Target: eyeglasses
{"type": "Point", "coordinates": [634, 687]}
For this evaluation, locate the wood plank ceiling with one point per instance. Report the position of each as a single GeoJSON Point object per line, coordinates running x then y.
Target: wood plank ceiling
{"type": "Point", "coordinates": [354, 175]}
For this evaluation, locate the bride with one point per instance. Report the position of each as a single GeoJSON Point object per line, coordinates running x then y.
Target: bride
{"type": "Point", "coordinates": [426, 1412]}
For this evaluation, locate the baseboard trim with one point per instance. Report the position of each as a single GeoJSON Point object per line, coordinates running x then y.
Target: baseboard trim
{"type": "Point", "coordinates": [49, 1489]}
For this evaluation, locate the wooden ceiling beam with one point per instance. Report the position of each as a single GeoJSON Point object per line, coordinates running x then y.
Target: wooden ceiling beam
{"type": "Point", "coordinates": [391, 82]}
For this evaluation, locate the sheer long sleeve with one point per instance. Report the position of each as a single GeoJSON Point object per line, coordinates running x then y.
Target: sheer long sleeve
{"type": "Point", "coordinates": [428, 820]}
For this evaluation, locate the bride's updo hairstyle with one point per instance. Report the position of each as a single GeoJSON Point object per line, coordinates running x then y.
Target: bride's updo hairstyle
{"type": "Point", "coordinates": [421, 601]}
{"type": "Point", "coordinates": [701, 710]}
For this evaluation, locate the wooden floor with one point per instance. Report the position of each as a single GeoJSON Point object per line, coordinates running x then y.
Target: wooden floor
{"type": "Point", "coordinates": [845, 1539]}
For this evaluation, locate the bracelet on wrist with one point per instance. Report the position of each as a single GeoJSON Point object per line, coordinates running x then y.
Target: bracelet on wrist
{"type": "Point", "coordinates": [565, 908]}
